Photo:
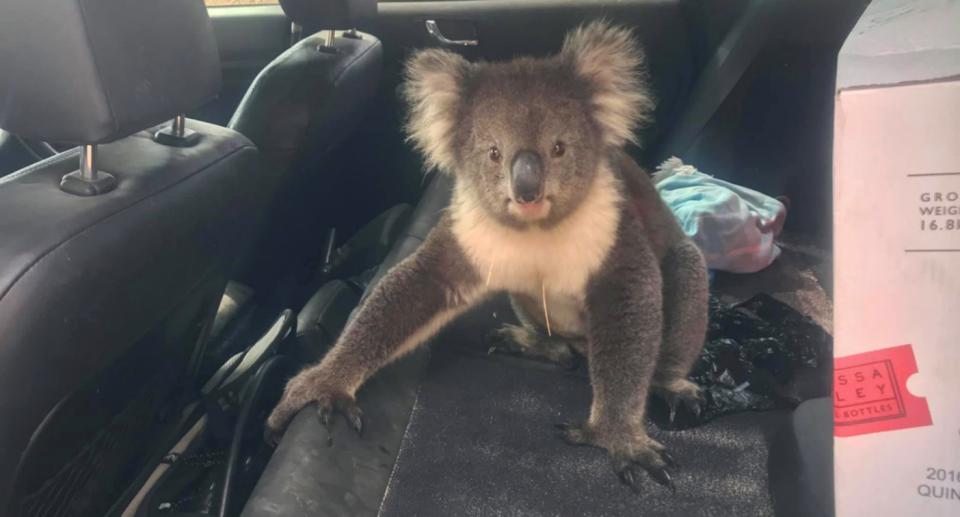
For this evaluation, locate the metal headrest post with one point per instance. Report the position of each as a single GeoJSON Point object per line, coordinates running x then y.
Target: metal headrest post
{"type": "Point", "coordinates": [177, 134]}
{"type": "Point", "coordinates": [327, 42]}
{"type": "Point", "coordinates": [296, 32]}
{"type": "Point", "coordinates": [87, 180]}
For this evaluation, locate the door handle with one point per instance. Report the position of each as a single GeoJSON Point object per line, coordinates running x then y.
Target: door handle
{"type": "Point", "coordinates": [434, 30]}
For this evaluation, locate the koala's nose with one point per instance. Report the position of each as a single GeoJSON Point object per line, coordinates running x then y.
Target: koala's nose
{"type": "Point", "coordinates": [526, 171]}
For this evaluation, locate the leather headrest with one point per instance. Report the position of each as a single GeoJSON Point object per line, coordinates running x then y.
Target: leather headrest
{"type": "Point", "coordinates": [330, 14]}
{"type": "Point", "coordinates": [92, 71]}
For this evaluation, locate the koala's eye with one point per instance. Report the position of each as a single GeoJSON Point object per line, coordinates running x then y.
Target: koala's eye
{"type": "Point", "coordinates": [559, 149]}
{"type": "Point", "coordinates": [495, 154]}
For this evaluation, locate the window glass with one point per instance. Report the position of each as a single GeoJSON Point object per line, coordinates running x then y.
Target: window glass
{"type": "Point", "coordinates": [226, 3]}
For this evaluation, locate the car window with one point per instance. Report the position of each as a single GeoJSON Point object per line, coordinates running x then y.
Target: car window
{"type": "Point", "coordinates": [228, 3]}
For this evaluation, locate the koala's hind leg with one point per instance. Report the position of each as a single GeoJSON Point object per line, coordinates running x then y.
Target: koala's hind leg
{"type": "Point", "coordinates": [529, 339]}
{"type": "Point", "coordinates": [685, 314]}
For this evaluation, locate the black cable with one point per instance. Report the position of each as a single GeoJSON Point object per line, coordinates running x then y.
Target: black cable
{"type": "Point", "coordinates": [246, 411]}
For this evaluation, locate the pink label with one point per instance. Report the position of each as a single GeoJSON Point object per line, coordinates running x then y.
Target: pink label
{"type": "Point", "coordinates": [870, 393]}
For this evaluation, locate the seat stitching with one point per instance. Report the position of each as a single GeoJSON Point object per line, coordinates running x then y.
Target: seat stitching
{"type": "Point", "coordinates": [343, 69]}
{"type": "Point", "coordinates": [396, 460]}
{"type": "Point", "coordinates": [30, 169]}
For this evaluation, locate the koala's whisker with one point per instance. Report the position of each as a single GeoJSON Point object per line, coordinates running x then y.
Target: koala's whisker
{"type": "Point", "coordinates": [546, 313]}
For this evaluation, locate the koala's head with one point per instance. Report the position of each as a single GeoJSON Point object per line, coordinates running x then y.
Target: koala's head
{"type": "Point", "coordinates": [526, 138]}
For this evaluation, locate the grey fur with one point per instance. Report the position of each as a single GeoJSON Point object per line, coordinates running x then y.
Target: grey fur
{"type": "Point", "coordinates": [639, 315]}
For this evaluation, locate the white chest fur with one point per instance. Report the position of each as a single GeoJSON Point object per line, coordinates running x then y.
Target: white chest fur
{"type": "Point", "coordinates": [557, 262]}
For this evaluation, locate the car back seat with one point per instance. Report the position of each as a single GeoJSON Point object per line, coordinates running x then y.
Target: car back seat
{"type": "Point", "coordinates": [430, 416]}
{"type": "Point", "coordinates": [357, 475]}
{"type": "Point", "coordinates": [361, 475]}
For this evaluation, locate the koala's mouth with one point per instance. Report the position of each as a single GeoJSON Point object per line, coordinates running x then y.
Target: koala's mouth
{"type": "Point", "coordinates": [530, 212]}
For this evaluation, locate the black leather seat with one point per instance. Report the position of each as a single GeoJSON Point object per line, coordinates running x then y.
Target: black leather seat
{"type": "Point", "coordinates": [305, 472]}
{"type": "Point", "coordinates": [425, 216]}
{"type": "Point", "coordinates": [302, 105]}
{"type": "Point", "coordinates": [327, 311]}
{"type": "Point", "coordinates": [108, 280]}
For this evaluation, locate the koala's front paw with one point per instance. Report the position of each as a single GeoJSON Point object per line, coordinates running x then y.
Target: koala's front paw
{"type": "Point", "coordinates": [346, 405]}
{"type": "Point", "coordinates": [629, 455]}
{"type": "Point", "coordinates": [300, 392]}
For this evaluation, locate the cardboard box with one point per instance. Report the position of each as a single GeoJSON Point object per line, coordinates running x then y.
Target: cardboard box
{"type": "Point", "coordinates": [897, 262]}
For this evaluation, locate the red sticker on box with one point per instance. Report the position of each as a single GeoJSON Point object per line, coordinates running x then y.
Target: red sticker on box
{"type": "Point", "coordinates": [870, 393]}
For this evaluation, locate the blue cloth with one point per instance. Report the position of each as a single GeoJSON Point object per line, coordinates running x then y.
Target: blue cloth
{"type": "Point", "coordinates": [734, 226]}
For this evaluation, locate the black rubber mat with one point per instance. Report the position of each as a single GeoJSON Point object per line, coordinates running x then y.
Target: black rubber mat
{"type": "Point", "coordinates": [481, 442]}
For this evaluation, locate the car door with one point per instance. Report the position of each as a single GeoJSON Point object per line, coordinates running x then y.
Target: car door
{"type": "Point", "coordinates": [501, 29]}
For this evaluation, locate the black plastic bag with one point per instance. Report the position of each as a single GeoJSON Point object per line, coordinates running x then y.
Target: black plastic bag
{"type": "Point", "coordinates": [754, 352]}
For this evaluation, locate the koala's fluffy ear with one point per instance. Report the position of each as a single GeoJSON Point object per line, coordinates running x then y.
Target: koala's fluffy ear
{"type": "Point", "coordinates": [609, 58]}
{"type": "Point", "coordinates": [433, 91]}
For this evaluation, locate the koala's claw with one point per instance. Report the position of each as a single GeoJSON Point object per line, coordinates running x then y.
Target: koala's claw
{"type": "Point", "coordinates": [681, 393]}
{"type": "Point", "coordinates": [669, 460]}
{"type": "Point", "coordinates": [628, 478]}
{"type": "Point", "coordinates": [658, 467]}
{"type": "Point", "coordinates": [502, 341]}
{"type": "Point", "coordinates": [692, 405]}
{"type": "Point", "coordinates": [271, 437]}
{"type": "Point", "coordinates": [573, 434]}
{"type": "Point", "coordinates": [343, 404]}
{"type": "Point", "coordinates": [662, 476]}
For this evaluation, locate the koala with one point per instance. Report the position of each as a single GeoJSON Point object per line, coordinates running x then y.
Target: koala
{"type": "Point", "coordinates": [549, 208]}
